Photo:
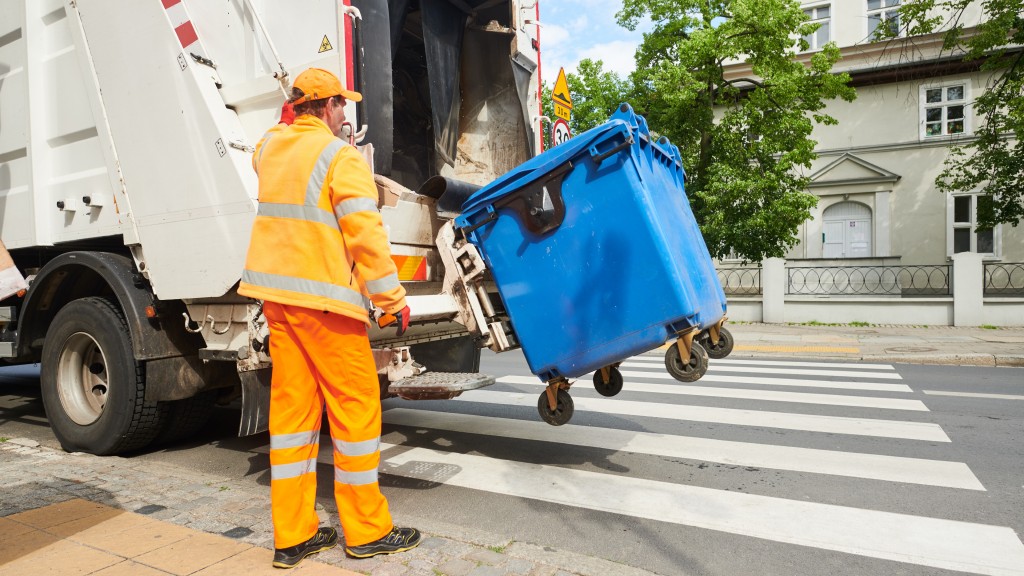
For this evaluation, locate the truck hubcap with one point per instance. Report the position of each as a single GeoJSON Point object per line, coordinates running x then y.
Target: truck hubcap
{"type": "Point", "coordinates": [82, 379]}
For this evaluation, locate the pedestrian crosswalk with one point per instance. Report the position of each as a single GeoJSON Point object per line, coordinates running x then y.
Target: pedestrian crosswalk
{"type": "Point", "coordinates": [810, 418]}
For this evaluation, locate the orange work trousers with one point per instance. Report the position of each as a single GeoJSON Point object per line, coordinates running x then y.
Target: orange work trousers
{"type": "Point", "coordinates": [323, 358]}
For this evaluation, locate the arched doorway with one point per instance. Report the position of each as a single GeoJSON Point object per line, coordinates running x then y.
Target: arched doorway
{"type": "Point", "coordinates": [847, 231]}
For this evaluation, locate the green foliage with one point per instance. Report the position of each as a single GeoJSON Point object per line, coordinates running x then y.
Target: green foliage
{"type": "Point", "coordinates": [994, 162]}
{"type": "Point", "coordinates": [745, 141]}
{"type": "Point", "coordinates": [859, 324]}
{"type": "Point", "coordinates": [989, 327]}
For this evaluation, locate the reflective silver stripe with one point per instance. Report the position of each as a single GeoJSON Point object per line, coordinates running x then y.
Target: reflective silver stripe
{"type": "Point", "coordinates": [357, 448]}
{"type": "Point", "coordinates": [293, 470]}
{"type": "Point", "coordinates": [389, 282]}
{"type": "Point", "coordinates": [304, 286]}
{"type": "Point", "coordinates": [323, 163]}
{"type": "Point", "coordinates": [279, 441]}
{"type": "Point", "coordinates": [308, 213]}
{"type": "Point", "coordinates": [355, 478]}
{"type": "Point", "coordinates": [354, 205]}
{"type": "Point", "coordinates": [266, 138]}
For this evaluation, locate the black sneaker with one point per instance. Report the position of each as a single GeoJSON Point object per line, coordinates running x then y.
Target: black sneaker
{"type": "Point", "coordinates": [324, 539]}
{"type": "Point", "coordinates": [398, 540]}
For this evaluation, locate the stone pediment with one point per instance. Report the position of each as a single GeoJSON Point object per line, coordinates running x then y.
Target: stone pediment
{"type": "Point", "coordinates": [849, 169]}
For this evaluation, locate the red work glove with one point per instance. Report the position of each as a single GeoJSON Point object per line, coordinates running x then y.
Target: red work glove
{"type": "Point", "coordinates": [401, 318]}
{"type": "Point", "coordinates": [287, 113]}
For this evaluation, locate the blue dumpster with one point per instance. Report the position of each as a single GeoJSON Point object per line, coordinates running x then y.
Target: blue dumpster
{"type": "Point", "coordinates": [594, 249]}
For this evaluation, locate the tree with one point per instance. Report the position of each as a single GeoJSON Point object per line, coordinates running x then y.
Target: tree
{"type": "Point", "coordinates": [595, 94]}
{"type": "Point", "coordinates": [746, 141]}
{"type": "Point", "coordinates": [993, 163]}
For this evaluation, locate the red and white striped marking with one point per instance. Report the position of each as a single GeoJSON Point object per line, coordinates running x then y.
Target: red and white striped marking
{"type": "Point", "coordinates": [182, 25]}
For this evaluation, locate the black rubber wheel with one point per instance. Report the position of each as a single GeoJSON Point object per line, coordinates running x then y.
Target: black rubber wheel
{"type": "Point", "coordinates": [186, 417]}
{"type": "Point", "coordinates": [610, 388]}
{"type": "Point", "coordinates": [724, 346]}
{"type": "Point", "coordinates": [93, 390]}
{"type": "Point", "coordinates": [562, 413]}
{"type": "Point", "coordinates": [690, 371]}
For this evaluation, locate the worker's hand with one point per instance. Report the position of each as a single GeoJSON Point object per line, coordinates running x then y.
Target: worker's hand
{"type": "Point", "coordinates": [287, 113]}
{"type": "Point", "coordinates": [401, 318]}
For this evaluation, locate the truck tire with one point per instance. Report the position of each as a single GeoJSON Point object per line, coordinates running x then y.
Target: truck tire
{"type": "Point", "coordinates": [93, 389]}
{"type": "Point", "coordinates": [186, 417]}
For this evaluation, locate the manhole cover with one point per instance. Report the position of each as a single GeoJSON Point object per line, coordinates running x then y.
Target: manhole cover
{"type": "Point", "coordinates": [910, 349]}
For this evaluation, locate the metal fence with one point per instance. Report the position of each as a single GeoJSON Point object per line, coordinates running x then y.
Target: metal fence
{"type": "Point", "coordinates": [871, 280]}
{"type": "Point", "coordinates": [740, 281]}
{"type": "Point", "coordinates": [1004, 279]}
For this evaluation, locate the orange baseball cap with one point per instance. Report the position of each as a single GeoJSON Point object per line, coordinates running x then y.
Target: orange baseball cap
{"type": "Point", "coordinates": [317, 84]}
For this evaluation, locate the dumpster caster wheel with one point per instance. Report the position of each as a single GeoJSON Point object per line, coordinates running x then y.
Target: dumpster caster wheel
{"type": "Point", "coordinates": [610, 388]}
{"type": "Point", "coordinates": [561, 414]}
{"type": "Point", "coordinates": [687, 371]}
{"type": "Point", "coordinates": [724, 346]}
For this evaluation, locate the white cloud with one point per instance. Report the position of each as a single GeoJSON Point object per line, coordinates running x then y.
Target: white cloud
{"type": "Point", "coordinates": [617, 56]}
{"type": "Point", "coordinates": [578, 29]}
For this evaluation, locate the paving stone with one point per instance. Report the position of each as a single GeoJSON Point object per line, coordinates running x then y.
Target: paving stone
{"type": "Point", "coordinates": [487, 557]}
{"type": "Point", "coordinates": [457, 567]}
{"type": "Point", "coordinates": [518, 566]}
{"type": "Point", "coordinates": [191, 554]}
{"type": "Point", "coordinates": [390, 569]}
{"type": "Point", "coordinates": [486, 571]}
{"type": "Point", "coordinates": [431, 543]}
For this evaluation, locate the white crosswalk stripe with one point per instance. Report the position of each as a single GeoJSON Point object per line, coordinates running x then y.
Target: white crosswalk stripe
{"type": "Point", "coordinates": [790, 421]}
{"type": "Point", "coordinates": [760, 362]}
{"type": "Point", "coordinates": [715, 368]}
{"type": "Point", "coordinates": [766, 395]}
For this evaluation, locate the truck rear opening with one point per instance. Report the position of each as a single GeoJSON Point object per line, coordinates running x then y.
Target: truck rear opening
{"type": "Point", "coordinates": [126, 184]}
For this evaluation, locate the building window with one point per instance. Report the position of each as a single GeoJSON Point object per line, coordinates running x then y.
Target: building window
{"type": "Point", "coordinates": [944, 110]}
{"type": "Point", "coordinates": [818, 15]}
{"type": "Point", "coordinates": [965, 212]}
{"type": "Point", "coordinates": [883, 12]}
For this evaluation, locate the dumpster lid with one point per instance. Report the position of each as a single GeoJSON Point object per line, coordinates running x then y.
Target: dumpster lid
{"type": "Point", "coordinates": [539, 166]}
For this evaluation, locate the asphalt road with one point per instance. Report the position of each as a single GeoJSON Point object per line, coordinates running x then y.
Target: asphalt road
{"type": "Point", "coordinates": [760, 467]}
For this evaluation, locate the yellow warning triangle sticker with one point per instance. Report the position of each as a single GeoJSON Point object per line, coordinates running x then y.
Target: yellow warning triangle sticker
{"type": "Point", "coordinates": [325, 45]}
{"type": "Point", "coordinates": [561, 92]}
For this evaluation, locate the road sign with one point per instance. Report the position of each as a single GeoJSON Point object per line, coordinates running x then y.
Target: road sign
{"type": "Point", "coordinates": [560, 132]}
{"type": "Point", "coordinates": [561, 111]}
{"type": "Point", "coordinates": [560, 94]}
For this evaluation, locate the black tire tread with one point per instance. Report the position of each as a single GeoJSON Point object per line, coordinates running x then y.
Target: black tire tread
{"type": "Point", "coordinates": [144, 424]}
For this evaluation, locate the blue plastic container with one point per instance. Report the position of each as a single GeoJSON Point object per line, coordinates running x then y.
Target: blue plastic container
{"type": "Point", "coordinates": [594, 249]}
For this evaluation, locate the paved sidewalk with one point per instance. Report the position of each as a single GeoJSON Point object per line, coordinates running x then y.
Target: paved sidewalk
{"type": "Point", "coordinates": [81, 515]}
{"type": "Point", "coordinates": [888, 343]}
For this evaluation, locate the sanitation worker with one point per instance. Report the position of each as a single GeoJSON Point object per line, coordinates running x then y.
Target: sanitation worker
{"type": "Point", "coordinates": [318, 258]}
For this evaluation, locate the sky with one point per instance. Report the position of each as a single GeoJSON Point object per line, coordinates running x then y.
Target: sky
{"type": "Point", "coordinates": [576, 29]}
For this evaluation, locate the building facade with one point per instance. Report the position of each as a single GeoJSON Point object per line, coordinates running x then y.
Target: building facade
{"type": "Point", "coordinates": [875, 174]}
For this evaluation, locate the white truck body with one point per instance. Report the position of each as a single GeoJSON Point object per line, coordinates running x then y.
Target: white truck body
{"type": "Point", "coordinates": [126, 127]}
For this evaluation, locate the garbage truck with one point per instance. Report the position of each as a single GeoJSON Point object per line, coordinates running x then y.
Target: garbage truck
{"type": "Point", "coordinates": [127, 192]}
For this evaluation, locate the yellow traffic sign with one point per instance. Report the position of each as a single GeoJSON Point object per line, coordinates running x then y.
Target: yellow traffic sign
{"type": "Point", "coordinates": [561, 92]}
{"type": "Point", "coordinates": [561, 111]}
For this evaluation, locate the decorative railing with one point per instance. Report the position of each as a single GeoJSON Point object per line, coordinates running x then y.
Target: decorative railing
{"type": "Point", "coordinates": [870, 280]}
{"type": "Point", "coordinates": [740, 281]}
{"type": "Point", "coordinates": [1004, 279]}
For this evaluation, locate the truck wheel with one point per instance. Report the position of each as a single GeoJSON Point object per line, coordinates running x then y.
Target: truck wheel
{"type": "Point", "coordinates": [186, 417]}
{"type": "Point", "coordinates": [93, 389]}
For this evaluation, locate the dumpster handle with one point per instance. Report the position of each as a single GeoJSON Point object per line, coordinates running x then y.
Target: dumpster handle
{"type": "Point", "coordinates": [490, 218]}
{"type": "Point", "coordinates": [539, 205]}
{"type": "Point", "coordinates": [602, 157]}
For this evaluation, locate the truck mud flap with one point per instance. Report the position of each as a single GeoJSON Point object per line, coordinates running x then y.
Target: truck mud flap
{"type": "Point", "coordinates": [255, 402]}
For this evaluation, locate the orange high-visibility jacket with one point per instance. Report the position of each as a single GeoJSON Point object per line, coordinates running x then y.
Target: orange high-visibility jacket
{"type": "Point", "coordinates": [318, 240]}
